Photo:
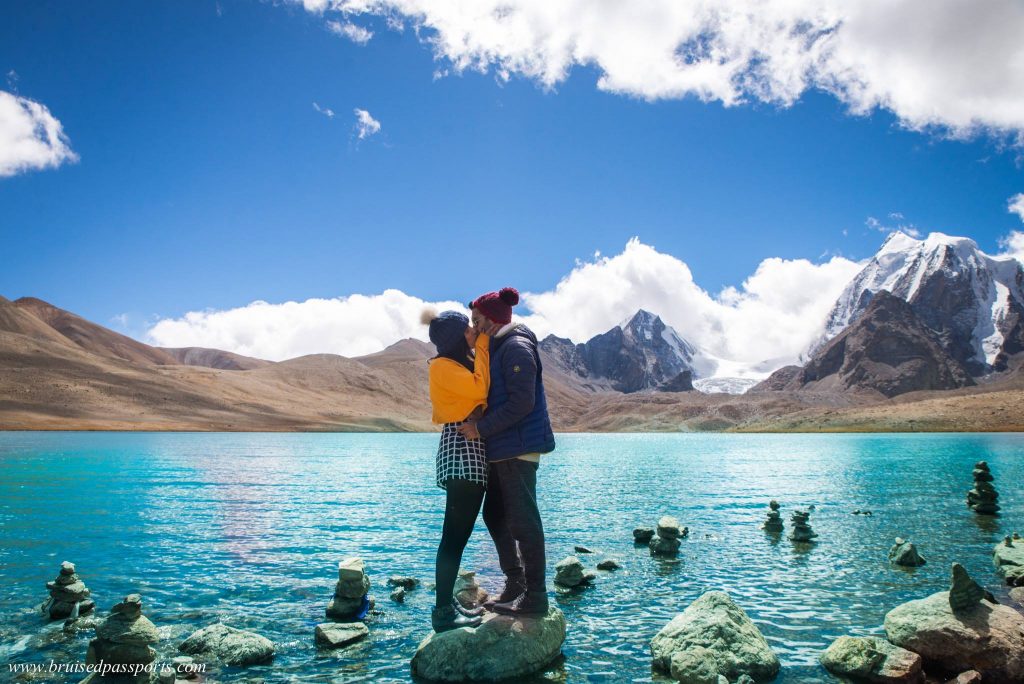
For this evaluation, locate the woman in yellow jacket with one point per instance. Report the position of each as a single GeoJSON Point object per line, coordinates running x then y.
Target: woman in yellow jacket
{"type": "Point", "coordinates": [459, 380]}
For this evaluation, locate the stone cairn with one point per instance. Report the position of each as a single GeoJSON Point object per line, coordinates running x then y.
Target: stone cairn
{"type": "Point", "coordinates": [570, 573]}
{"type": "Point", "coordinates": [125, 637]}
{"type": "Point", "coordinates": [982, 499]}
{"type": "Point", "coordinates": [667, 536]}
{"type": "Point", "coordinates": [69, 597]}
{"type": "Point", "coordinates": [773, 523]}
{"type": "Point", "coordinates": [964, 592]}
{"type": "Point", "coordinates": [802, 531]}
{"type": "Point", "coordinates": [350, 599]}
{"type": "Point", "coordinates": [905, 553]}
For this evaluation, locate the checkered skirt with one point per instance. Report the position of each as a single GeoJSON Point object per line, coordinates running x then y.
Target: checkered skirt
{"type": "Point", "coordinates": [459, 458]}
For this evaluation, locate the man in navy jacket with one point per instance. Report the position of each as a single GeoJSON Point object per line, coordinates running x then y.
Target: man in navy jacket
{"type": "Point", "coordinates": [517, 430]}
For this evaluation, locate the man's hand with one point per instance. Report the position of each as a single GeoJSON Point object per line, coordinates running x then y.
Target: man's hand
{"type": "Point", "coordinates": [468, 430]}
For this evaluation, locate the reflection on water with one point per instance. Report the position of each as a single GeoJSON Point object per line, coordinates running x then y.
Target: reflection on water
{"type": "Point", "coordinates": [249, 528]}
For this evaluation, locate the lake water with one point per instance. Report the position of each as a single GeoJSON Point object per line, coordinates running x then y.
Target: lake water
{"type": "Point", "coordinates": [249, 528]}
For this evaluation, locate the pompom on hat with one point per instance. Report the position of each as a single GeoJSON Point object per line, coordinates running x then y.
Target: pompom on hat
{"type": "Point", "coordinates": [447, 329]}
{"type": "Point", "coordinates": [497, 306]}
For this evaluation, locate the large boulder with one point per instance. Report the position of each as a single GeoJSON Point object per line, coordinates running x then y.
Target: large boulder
{"type": "Point", "coordinates": [502, 647]}
{"type": "Point", "coordinates": [870, 659]}
{"type": "Point", "coordinates": [715, 623]}
{"type": "Point", "coordinates": [228, 645]}
{"type": "Point", "coordinates": [985, 637]}
{"type": "Point", "coordinates": [338, 634]}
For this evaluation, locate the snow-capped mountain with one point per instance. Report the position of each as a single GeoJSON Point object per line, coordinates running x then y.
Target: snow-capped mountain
{"type": "Point", "coordinates": [641, 353]}
{"type": "Point", "coordinates": [972, 301]}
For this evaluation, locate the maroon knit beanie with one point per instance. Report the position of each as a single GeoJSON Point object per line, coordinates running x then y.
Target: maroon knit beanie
{"type": "Point", "coordinates": [497, 306]}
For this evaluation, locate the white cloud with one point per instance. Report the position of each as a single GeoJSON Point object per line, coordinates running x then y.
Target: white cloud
{"type": "Point", "coordinates": [357, 34]}
{"type": "Point", "coordinates": [1013, 245]}
{"type": "Point", "coordinates": [908, 228]}
{"type": "Point", "coordinates": [326, 111]}
{"type": "Point", "coordinates": [350, 326]}
{"type": "Point", "coordinates": [30, 137]}
{"type": "Point", "coordinates": [775, 314]}
{"type": "Point", "coordinates": [953, 64]}
{"type": "Point", "coordinates": [1015, 205]}
{"type": "Point", "coordinates": [366, 125]}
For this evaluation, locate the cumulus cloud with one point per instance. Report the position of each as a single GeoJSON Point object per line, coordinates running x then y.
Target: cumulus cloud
{"type": "Point", "coordinates": [31, 138]}
{"type": "Point", "coordinates": [775, 314]}
{"type": "Point", "coordinates": [1015, 205]}
{"type": "Point", "coordinates": [896, 223]}
{"type": "Point", "coordinates": [346, 29]}
{"type": "Point", "coordinates": [366, 125]}
{"type": "Point", "coordinates": [1013, 245]}
{"type": "Point", "coordinates": [350, 326]}
{"type": "Point", "coordinates": [955, 65]}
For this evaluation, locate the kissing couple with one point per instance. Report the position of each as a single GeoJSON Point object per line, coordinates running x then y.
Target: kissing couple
{"type": "Point", "coordinates": [486, 390]}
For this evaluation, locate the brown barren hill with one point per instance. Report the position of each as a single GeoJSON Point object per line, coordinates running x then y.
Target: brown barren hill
{"type": "Point", "coordinates": [213, 358]}
{"type": "Point", "coordinates": [92, 337]}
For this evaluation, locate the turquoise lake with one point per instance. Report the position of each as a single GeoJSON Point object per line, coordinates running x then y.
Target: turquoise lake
{"type": "Point", "coordinates": [249, 528]}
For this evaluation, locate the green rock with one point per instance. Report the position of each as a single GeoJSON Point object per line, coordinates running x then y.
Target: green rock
{"type": "Point", "coordinates": [905, 553]}
{"type": "Point", "coordinates": [870, 659]}
{"type": "Point", "coordinates": [1009, 560]}
{"type": "Point", "coordinates": [695, 665]}
{"type": "Point", "coordinates": [964, 593]}
{"type": "Point", "coordinates": [715, 623]}
{"type": "Point", "coordinates": [228, 645]}
{"type": "Point", "coordinates": [336, 635]}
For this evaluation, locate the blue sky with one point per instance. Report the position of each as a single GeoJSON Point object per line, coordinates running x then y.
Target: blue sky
{"type": "Point", "coordinates": [207, 179]}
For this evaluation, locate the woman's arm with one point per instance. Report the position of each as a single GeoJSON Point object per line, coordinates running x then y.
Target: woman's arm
{"type": "Point", "coordinates": [457, 380]}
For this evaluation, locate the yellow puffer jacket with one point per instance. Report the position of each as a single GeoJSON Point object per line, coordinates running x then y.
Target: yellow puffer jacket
{"type": "Point", "coordinates": [455, 390]}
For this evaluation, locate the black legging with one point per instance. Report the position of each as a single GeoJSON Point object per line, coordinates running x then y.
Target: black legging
{"type": "Point", "coordinates": [460, 511]}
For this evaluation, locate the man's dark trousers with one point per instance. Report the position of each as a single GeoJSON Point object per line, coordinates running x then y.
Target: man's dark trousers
{"type": "Point", "coordinates": [513, 520]}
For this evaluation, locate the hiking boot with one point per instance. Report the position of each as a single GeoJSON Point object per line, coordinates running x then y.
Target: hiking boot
{"type": "Point", "coordinates": [514, 588]}
{"type": "Point", "coordinates": [531, 603]}
{"type": "Point", "coordinates": [446, 617]}
{"type": "Point", "coordinates": [468, 612]}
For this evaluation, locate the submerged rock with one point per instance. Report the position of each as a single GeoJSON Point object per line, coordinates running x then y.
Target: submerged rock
{"type": "Point", "coordinates": [608, 564]}
{"type": "Point", "coordinates": [336, 635]}
{"type": "Point", "coordinates": [69, 597]}
{"type": "Point", "coordinates": [982, 499]}
{"type": "Point", "coordinates": [502, 647]}
{"type": "Point", "coordinates": [407, 583]}
{"type": "Point", "coordinates": [713, 622]}
{"type": "Point", "coordinates": [228, 645]}
{"type": "Point", "coordinates": [350, 600]}
{"type": "Point", "coordinates": [582, 549]}
{"type": "Point", "coordinates": [905, 553]}
{"type": "Point", "coordinates": [398, 595]}
{"type": "Point", "coordinates": [467, 591]}
{"type": "Point", "coordinates": [1008, 557]}
{"type": "Point", "coordinates": [870, 659]}
{"type": "Point", "coordinates": [125, 637]}
{"type": "Point", "coordinates": [979, 635]}
{"type": "Point", "coordinates": [642, 535]}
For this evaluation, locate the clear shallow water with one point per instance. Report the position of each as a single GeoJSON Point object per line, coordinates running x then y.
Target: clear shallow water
{"type": "Point", "coordinates": [250, 527]}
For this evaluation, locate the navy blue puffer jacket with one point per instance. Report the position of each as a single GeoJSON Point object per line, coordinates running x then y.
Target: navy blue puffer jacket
{"type": "Point", "coordinates": [516, 421]}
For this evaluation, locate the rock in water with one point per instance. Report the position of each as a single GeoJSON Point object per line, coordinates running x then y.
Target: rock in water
{"type": "Point", "coordinates": [228, 645]}
{"type": "Point", "coordinates": [1008, 557]}
{"type": "Point", "coordinates": [398, 595]}
{"type": "Point", "coordinates": [502, 647]}
{"type": "Point", "coordinates": [467, 591]}
{"type": "Point", "coordinates": [125, 636]}
{"type": "Point", "coordinates": [695, 665]}
{"type": "Point", "coordinates": [569, 573]}
{"type": "Point", "coordinates": [904, 553]}
{"type": "Point", "coordinates": [802, 531]}
{"type": "Point", "coordinates": [982, 499]}
{"type": "Point", "coordinates": [407, 583]}
{"type": "Point", "coordinates": [666, 543]}
{"type": "Point", "coordinates": [642, 535]}
{"type": "Point", "coordinates": [1017, 596]}
{"type": "Point", "coordinates": [69, 597]}
{"type": "Point", "coordinates": [715, 623]}
{"type": "Point", "coordinates": [870, 659]}
{"type": "Point", "coordinates": [336, 635]}
{"type": "Point", "coordinates": [350, 599]}
{"type": "Point", "coordinates": [964, 592]}
{"type": "Point", "coordinates": [984, 636]}
{"type": "Point", "coordinates": [582, 549]}
{"type": "Point", "coordinates": [608, 564]}
{"type": "Point", "coordinates": [773, 523]}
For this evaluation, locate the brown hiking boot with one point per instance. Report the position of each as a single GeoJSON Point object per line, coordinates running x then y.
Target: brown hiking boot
{"type": "Point", "coordinates": [529, 604]}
